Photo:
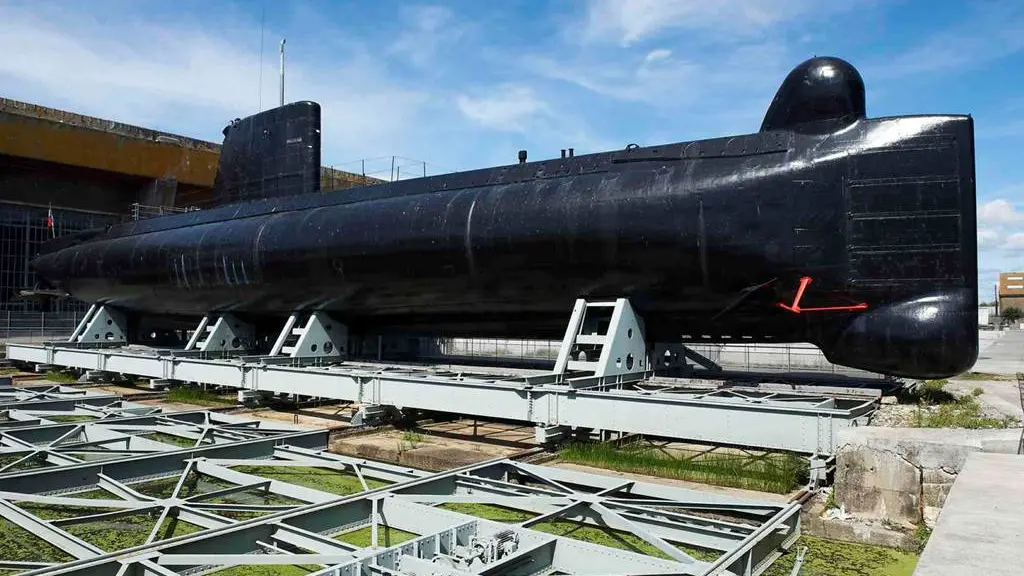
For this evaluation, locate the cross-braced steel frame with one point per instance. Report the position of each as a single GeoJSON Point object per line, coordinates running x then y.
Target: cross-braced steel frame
{"type": "Point", "coordinates": [29, 440]}
{"type": "Point", "coordinates": [51, 396]}
{"type": "Point", "coordinates": [413, 525]}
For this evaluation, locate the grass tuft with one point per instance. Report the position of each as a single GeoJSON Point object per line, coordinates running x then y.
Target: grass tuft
{"type": "Point", "coordinates": [768, 472]}
{"type": "Point", "coordinates": [928, 392]}
{"type": "Point", "coordinates": [61, 377]}
{"type": "Point", "coordinates": [964, 412]}
{"type": "Point", "coordinates": [197, 396]}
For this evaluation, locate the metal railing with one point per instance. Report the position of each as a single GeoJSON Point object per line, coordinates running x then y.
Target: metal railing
{"type": "Point", "coordinates": [36, 326]}
{"type": "Point", "coordinates": [142, 211]}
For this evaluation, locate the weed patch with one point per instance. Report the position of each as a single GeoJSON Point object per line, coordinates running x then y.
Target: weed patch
{"type": "Point", "coordinates": [492, 512]}
{"type": "Point", "coordinates": [616, 539]}
{"type": "Point", "coordinates": [928, 392]}
{"type": "Point", "coordinates": [939, 408]}
{"type": "Point", "coordinates": [767, 472]}
{"type": "Point", "coordinates": [412, 439]}
{"type": "Point", "coordinates": [35, 462]}
{"type": "Point", "coordinates": [324, 479]}
{"type": "Point", "coordinates": [964, 412]}
{"type": "Point", "coordinates": [386, 536]}
{"type": "Point", "coordinates": [197, 396]}
{"type": "Point", "coordinates": [179, 441]}
{"type": "Point", "coordinates": [20, 545]}
{"type": "Point", "coordinates": [832, 558]}
{"type": "Point", "coordinates": [69, 418]}
{"type": "Point", "coordinates": [129, 531]}
{"type": "Point", "coordinates": [61, 377]}
{"type": "Point", "coordinates": [267, 570]}
{"type": "Point", "coordinates": [195, 484]}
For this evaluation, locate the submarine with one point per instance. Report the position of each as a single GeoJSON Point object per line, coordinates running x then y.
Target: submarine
{"type": "Point", "coordinates": [855, 234]}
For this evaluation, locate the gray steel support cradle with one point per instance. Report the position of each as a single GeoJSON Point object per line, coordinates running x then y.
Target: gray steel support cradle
{"type": "Point", "coordinates": [804, 423]}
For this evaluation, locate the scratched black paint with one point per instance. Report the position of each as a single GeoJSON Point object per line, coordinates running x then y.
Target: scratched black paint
{"type": "Point", "coordinates": [705, 237]}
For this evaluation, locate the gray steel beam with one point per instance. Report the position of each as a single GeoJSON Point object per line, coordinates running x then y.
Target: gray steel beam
{"type": "Point", "coordinates": [726, 418]}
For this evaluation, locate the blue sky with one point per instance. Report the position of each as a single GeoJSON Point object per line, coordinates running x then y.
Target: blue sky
{"type": "Point", "coordinates": [466, 84]}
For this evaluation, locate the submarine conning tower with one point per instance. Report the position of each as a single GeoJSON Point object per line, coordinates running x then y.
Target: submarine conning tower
{"type": "Point", "coordinates": [821, 94]}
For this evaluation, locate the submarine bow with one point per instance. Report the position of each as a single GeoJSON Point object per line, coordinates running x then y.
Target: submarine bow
{"type": "Point", "coordinates": [856, 234]}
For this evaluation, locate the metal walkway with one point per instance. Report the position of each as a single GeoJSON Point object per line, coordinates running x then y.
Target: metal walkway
{"type": "Point", "coordinates": [806, 423]}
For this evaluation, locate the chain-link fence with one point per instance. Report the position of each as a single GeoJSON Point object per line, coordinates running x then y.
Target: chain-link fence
{"type": "Point", "coordinates": [37, 326]}
{"type": "Point", "coordinates": [794, 357]}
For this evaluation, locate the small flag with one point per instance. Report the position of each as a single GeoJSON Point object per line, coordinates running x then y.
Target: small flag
{"type": "Point", "coordinates": [49, 221]}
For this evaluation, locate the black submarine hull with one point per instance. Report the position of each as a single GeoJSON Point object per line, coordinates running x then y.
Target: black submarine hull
{"type": "Point", "coordinates": [855, 234]}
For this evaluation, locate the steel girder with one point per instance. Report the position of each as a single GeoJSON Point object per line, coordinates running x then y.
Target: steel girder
{"type": "Point", "coordinates": [806, 423]}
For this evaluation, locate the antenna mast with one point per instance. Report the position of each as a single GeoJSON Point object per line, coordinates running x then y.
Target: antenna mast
{"type": "Point", "coordinates": [282, 71]}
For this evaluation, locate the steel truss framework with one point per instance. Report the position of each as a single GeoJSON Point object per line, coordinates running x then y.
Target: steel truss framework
{"type": "Point", "coordinates": [804, 423]}
{"type": "Point", "coordinates": [51, 396]}
{"type": "Point", "coordinates": [31, 439]}
{"type": "Point", "coordinates": [659, 529]}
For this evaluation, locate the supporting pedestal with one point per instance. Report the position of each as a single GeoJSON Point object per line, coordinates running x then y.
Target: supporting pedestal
{"type": "Point", "coordinates": [224, 333]}
{"type": "Point", "coordinates": [311, 335]}
{"type": "Point", "coordinates": [101, 323]}
{"type": "Point", "coordinates": [604, 338]}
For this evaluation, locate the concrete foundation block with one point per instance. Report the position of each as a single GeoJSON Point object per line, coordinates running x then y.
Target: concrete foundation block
{"type": "Point", "coordinates": [937, 476]}
{"type": "Point", "coordinates": [935, 494]}
{"type": "Point", "coordinates": [930, 516]}
{"type": "Point", "coordinates": [814, 524]}
{"type": "Point", "coordinates": [877, 484]}
{"type": "Point", "coordinates": [904, 474]}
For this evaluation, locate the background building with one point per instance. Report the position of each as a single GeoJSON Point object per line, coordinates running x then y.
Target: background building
{"type": "Point", "coordinates": [1011, 291]}
{"type": "Point", "coordinates": [90, 172]}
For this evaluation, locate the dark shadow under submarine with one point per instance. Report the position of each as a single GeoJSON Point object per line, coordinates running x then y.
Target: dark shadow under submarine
{"type": "Point", "coordinates": [855, 234]}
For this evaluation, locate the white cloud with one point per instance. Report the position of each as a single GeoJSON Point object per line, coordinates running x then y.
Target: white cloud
{"type": "Point", "coordinates": [511, 108]}
{"type": "Point", "coordinates": [988, 238]}
{"type": "Point", "coordinates": [627, 22]}
{"type": "Point", "coordinates": [659, 54]}
{"type": "Point", "coordinates": [999, 212]}
{"type": "Point", "coordinates": [188, 79]}
{"type": "Point", "coordinates": [428, 31]}
{"type": "Point", "coordinates": [1014, 242]}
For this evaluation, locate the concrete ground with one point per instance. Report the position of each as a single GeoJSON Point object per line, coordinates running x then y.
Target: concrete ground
{"type": "Point", "coordinates": [1001, 397]}
{"type": "Point", "coordinates": [981, 527]}
{"type": "Point", "coordinates": [1001, 352]}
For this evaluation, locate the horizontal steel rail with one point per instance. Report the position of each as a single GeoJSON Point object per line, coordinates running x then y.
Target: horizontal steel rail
{"type": "Point", "coordinates": [803, 423]}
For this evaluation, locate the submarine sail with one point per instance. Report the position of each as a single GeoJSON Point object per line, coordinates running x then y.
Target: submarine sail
{"type": "Point", "coordinates": [826, 226]}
